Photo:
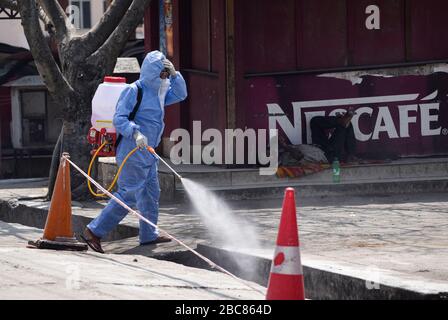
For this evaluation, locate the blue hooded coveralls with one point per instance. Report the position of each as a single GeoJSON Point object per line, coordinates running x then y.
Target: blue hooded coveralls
{"type": "Point", "coordinates": [138, 184]}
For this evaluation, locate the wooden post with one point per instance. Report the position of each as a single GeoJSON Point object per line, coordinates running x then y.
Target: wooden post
{"type": "Point", "coordinates": [1, 173]}
{"type": "Point", "coordinates": [152, 26]}
{"type": "Point", "coordinates": [230, 64]}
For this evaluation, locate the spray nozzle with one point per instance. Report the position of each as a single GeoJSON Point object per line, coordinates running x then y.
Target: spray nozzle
{"type": "Point", "coordinates": [151, 149]}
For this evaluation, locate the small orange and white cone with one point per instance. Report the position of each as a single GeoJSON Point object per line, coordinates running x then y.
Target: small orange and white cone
{"type": "Point", "coordinates": [286, 278]}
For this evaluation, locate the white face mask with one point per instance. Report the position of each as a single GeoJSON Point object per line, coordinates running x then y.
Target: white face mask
{"type": "Point", "coordinates": [164, 86]}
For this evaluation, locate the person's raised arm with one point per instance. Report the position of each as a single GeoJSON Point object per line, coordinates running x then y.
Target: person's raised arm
{"type": "Point", "coordinates": [178, 88]}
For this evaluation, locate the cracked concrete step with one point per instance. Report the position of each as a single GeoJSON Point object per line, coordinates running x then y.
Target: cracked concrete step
{"type": "Point", "coordinates": [331, 279]}
{"type": "Point", "coordinates": [401, 176]}
{"type": "Point", "coordinates": [405, 169]}
{"type": "Point", "coordinates": [34, 214]}
{"type": "Point", "coordinates": [303, 190]}
{"type": "Point", "coordinates": [46, 274]}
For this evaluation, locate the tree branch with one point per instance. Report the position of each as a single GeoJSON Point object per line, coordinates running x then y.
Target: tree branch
{"type": "Point", "coordinates": [43, 57]}
{"type": "Point", "coordinates": [49, 27]}
{"type": "Point", "coordinates": [118, 38]}
{"type": "Point", "coordinates": [58, 17]}
{"type": "Point", "coordinates": [44, 17]}
{"type": "Point", "coordinates": [12, 4]}
{"type": "Point", "coordinates": [93, 39]}
{"type": "Point", "coordinates": [9, 4]}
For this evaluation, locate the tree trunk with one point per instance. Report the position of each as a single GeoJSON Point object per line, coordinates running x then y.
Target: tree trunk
{"type": "Point", "coordinates": [54, 167]}
{"type": "Point", "coordinates": [75, 143]}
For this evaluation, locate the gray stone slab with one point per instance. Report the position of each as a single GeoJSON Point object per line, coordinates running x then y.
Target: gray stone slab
{"type": "Point", "coordinates": [319, 189]}
{"type": "Point", "coordinates": [34, 214]}
{"type": "Point", "coordinates": [402, 234]}
{"type": "Point", "coordinates": [329, 279]}
{"type": "Point", "coordinates": [46, 274]}
{"type": "Point", "coordinates": [439, 169]}
{"type": "Point", "coordinates": [404, 175]}
{"type": "Point", "coordinates": [211, 179]}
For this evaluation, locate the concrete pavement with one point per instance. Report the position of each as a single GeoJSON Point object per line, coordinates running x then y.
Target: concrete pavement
{"type": "Point", "coordinates": [46, 274]}
{"type": "Point", "coordinates": [401, 239]}
{"type": "Point", "coordinates": [398, 241]}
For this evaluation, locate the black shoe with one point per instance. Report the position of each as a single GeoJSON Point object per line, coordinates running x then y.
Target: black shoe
{"type": "Point", "coordinates": [92, 240]}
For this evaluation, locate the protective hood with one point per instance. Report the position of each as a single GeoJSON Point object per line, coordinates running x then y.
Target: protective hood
{"type": "Point", "coordinates": [151, 68]}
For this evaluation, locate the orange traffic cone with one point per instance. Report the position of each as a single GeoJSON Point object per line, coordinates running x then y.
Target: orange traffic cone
{"type": "Point", "coordinates": [286, 278]}
{"type": "Point", "coordinates": [58, 233]}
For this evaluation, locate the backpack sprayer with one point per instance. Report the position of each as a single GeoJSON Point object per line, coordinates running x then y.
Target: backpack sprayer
{"type": "Point", "coordinates": [102, 135]}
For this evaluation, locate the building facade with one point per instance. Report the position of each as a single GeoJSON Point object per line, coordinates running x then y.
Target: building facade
{"type": "Point", "coordinates": [278, 63]}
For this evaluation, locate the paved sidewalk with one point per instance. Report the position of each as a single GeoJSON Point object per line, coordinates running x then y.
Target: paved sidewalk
{"type": "Point", "coordinates": [400, 233]}
{"type": "Point", "coordinates": [401, 239]}
{"type": "Point", "coordinates": [46, 274]}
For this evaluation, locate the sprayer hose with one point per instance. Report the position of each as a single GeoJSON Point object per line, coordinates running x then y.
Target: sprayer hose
{"type": "Point", "coordinates": [117, 175]}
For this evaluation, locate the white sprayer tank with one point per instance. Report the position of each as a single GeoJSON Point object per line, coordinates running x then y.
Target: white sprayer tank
{"type": "Point", "coordinates": [105, 101]}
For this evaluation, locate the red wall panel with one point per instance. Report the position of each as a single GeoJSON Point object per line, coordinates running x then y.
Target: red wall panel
{"type": "Point", "coordinates": [269, 33]}
{"type": "Point", "coordinates": [173, 113]}
{"type": "Point", "coordinates": [152, 27]}
{"type": "Point", "coordinates": [217, 27]}
{"type": "Point", "coordinates": [205, 99]}
{"type": "Point", "coordinates": [369, 47]}
{"type": "Point", "coordinates": [322, 33]}
{"type": "Point", "coordinates": [428, 29]}
{"type": "Point", "coordinates": [206, 91]}
{"type": "Point", "coordinates": [200, 33]}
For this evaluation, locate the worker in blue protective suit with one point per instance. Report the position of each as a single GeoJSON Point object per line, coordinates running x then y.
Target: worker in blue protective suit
{"type": "Point", "coordinates": [138, 184]}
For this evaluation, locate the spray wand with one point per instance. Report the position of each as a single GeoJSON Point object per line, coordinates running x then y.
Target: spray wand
{"type": "Point", "coordinates": [150, 149]}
